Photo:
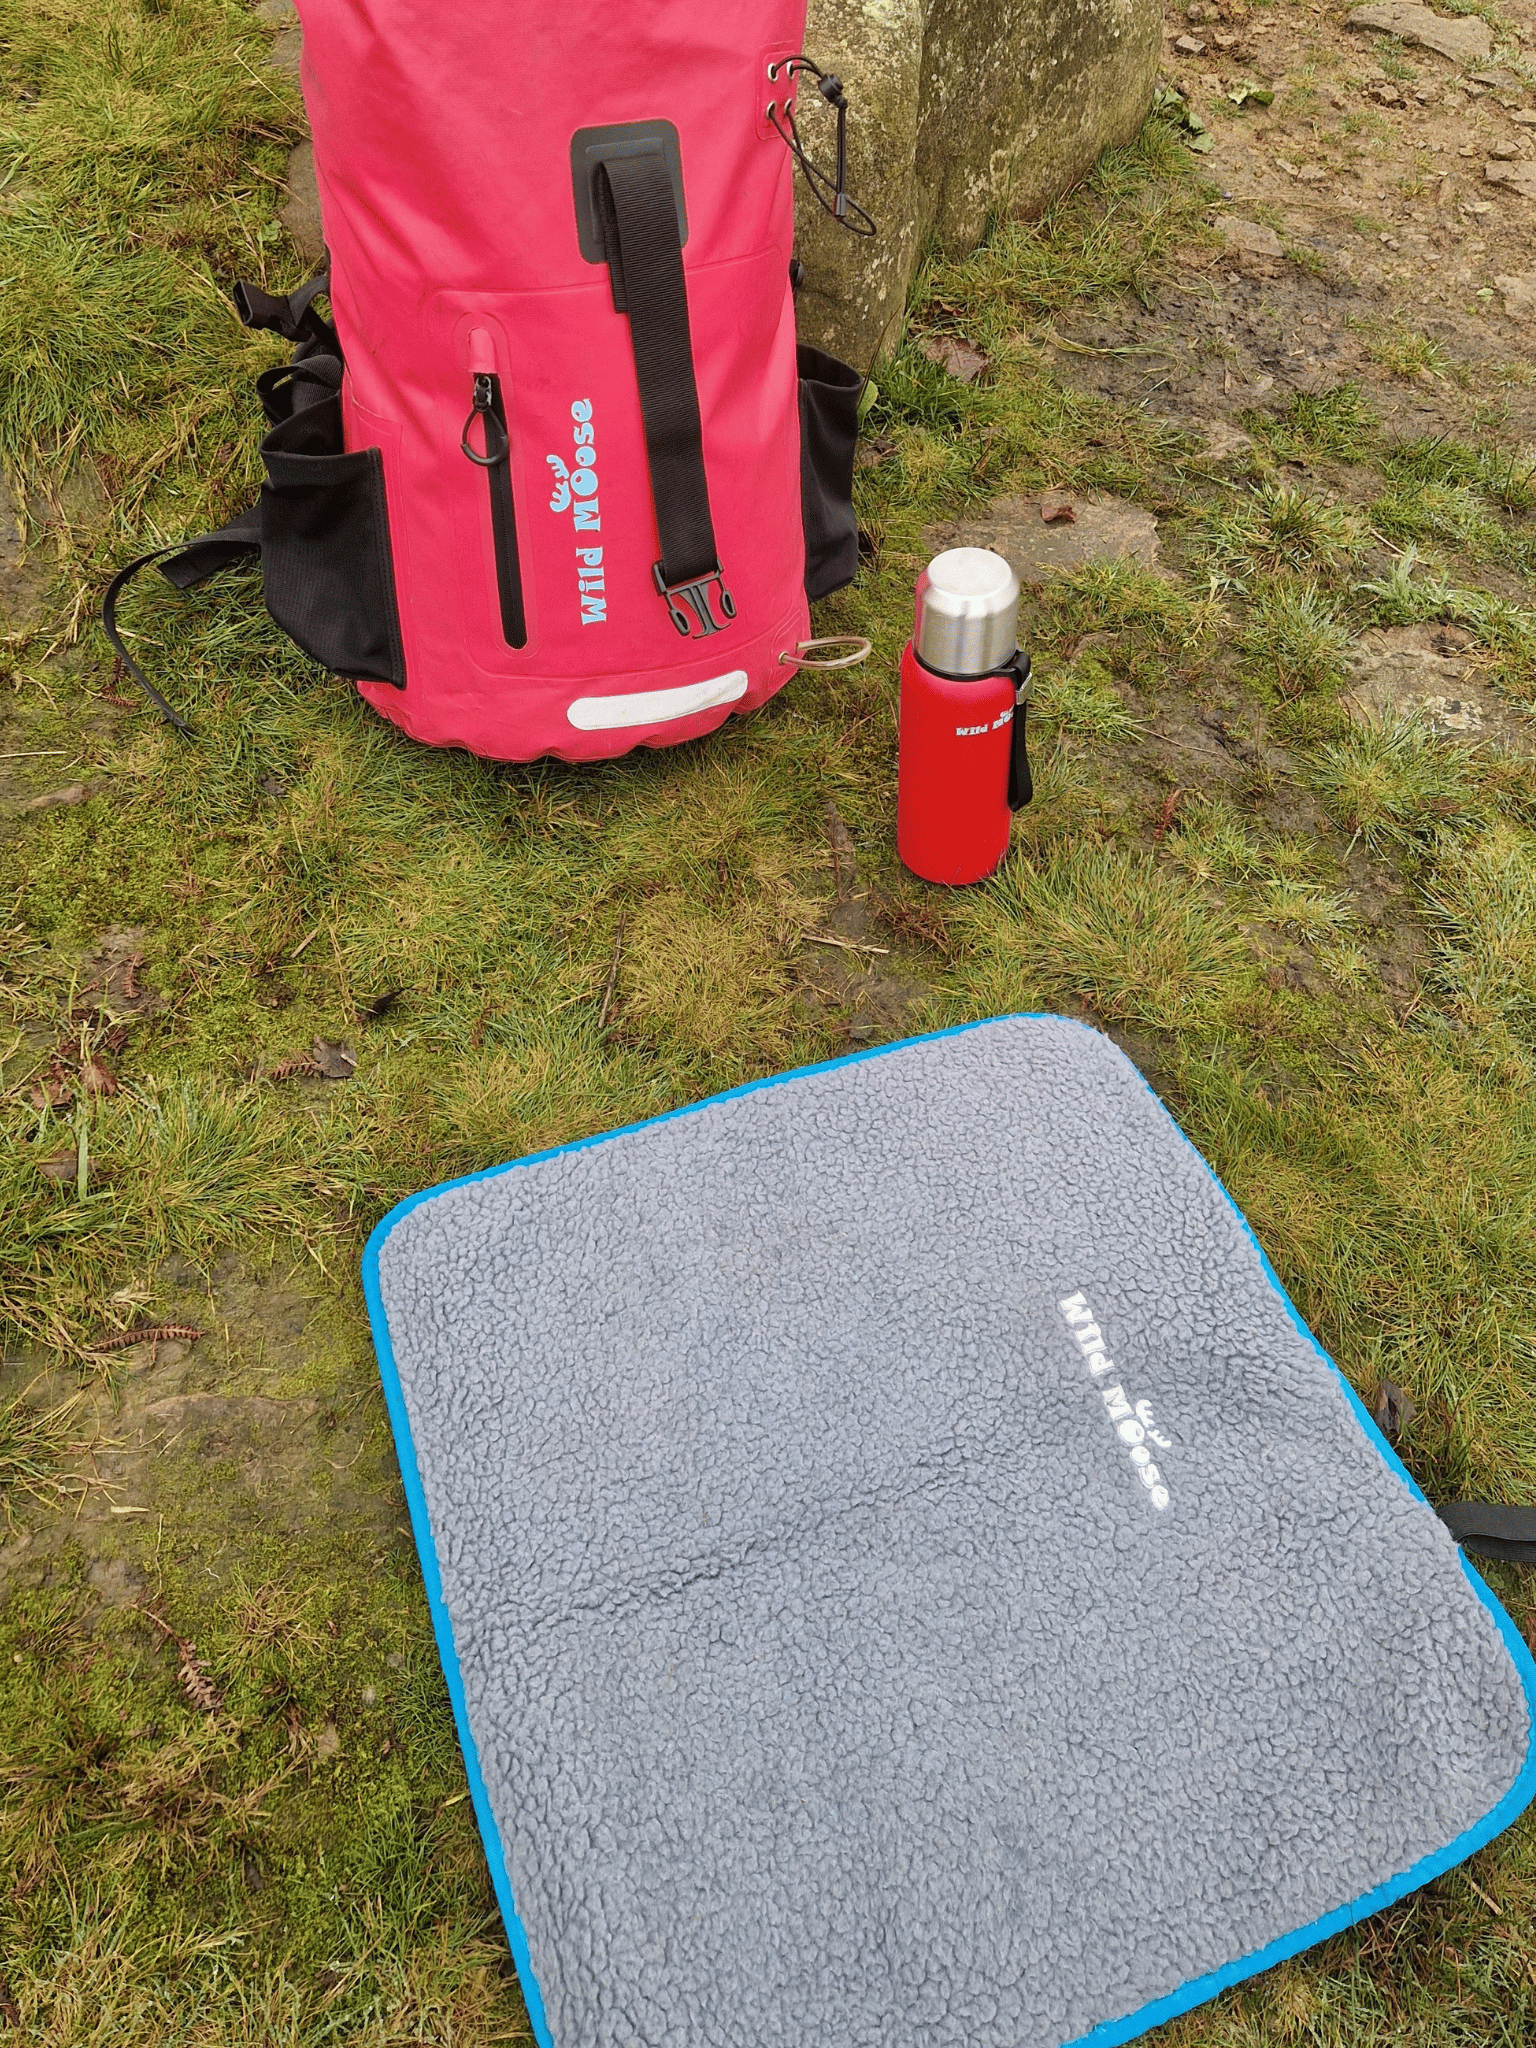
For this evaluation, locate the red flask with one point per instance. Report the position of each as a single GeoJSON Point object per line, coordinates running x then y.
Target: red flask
{"type": "Point", "coordinates": [962, 766]}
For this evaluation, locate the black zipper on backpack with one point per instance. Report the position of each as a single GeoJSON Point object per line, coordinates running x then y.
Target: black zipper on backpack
{"type": "Point", "coordinates": [496, 462]}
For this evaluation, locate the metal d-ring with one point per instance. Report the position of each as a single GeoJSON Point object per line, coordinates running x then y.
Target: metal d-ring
{"type": "Point", "coordinates": [862, 650]}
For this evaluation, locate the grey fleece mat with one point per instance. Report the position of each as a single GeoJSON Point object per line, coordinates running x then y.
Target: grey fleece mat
{"type": "Point", "coordinates": [905, 1574]}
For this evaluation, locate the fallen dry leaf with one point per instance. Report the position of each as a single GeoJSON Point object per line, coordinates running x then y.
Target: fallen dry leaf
{"type": "Point", "coordinates": [61, 1165]}
{"type": "Point", "coordinates": [381, 1005]}
{"type": "Point", "coordinates": [112, 977]}
{"type": "Point", "coordinates": [335, 1061]}
{"type": "Point", "coordinates": [195, 1681]}
{"type": "Point", "coordinates": [52, 1091]}
{"type": "Point", "coordinates": [955, 356]}
{"type": "Point", "coordinates": [1170, 806]}
{"type": "Point", "coordinates": [96, 1079]}
{"type": "Point", "coordinates": [1393, 1411]}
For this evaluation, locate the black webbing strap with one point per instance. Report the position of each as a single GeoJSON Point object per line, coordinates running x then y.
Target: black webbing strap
{"type": "Point", "coordinates": [1508, 1533]}
{"type": "Point", "coordinates": [294, 318]}
{"type": "Point", "coordinates": [188, 562]}
{"type": "Point", "coordinates": [301, 402]}
{"type": "Point", "coordinates": [1021, 785]}
{"type": "Point", "coordinates": [645, 263]}
{"type": "Point", "coordinates": [199, 559]}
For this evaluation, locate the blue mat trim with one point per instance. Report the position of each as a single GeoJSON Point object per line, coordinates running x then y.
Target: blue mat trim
{"type": "Point", "coordinates": [1110, 2033]}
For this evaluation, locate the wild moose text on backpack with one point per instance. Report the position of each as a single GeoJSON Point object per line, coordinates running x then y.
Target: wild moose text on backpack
{"type": "Point", "coordinates": [553, 478]}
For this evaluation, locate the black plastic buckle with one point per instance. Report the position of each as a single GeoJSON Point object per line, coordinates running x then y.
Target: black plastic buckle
{"type": "Point", "coordinates": [695, 594]}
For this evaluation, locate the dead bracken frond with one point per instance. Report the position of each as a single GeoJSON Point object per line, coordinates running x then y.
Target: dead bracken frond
{"type": "Point", "coordinates": [195, 1682]}
{"type": "Point", "coordinates": [148, 1333]}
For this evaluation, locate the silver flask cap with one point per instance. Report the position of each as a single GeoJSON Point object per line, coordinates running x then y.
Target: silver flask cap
{"type": "Point", "coordinates": [967, 612]}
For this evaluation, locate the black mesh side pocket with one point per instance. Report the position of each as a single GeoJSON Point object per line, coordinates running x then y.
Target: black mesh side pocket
{"type": "Point", "coordinates": [829, 426]}
{"type": "Point", "coordinates": [326, 568]}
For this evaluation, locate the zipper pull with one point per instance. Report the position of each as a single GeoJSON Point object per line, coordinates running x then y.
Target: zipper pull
{"type": "Point", "coordinates": [483, 406]}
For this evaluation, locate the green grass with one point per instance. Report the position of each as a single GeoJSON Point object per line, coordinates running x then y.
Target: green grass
{"type": "Point", "coordinates": [1103, 928]}
{"type": "Point", "coordinates": [1395, 786]}
{"type": "Point", "coordinates": [1340, 423]}
{"type": "Point", "coordinates": [1402, 351]}
{"type": "Point", "coordinates": [35, 1450]}
{"type": "Point", "coordinates": [154, 1854]}
{"type": "Point", "coordinates": [1274, 530]}
{"type": "Point", "coordinates": [1294, 640]}
{"type": "Point", "coordinates": [1485, 900]}
{"type": "Point", "coordinates": [1277, 879]}
{"type": "Point", "coordinates": [271, 1842]}
{"type": "Point", "coordinates": [1477, 500]}
{"type": "Point", "coordinates": [1081, 699]}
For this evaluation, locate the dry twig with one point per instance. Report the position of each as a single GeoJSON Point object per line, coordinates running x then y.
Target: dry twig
{"type": "Point", "coordinates": [848, 945]}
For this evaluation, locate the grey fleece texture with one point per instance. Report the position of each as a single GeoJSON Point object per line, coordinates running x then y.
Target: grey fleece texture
{"type": "Point", "coordinates": [834, 1673]}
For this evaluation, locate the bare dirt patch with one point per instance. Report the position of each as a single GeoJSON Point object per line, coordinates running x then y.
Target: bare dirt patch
{"type": "Point", "coordinates": [1375, 227]}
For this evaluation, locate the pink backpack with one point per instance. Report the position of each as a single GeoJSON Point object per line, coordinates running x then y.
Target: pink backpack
{"type": "Point", "coordinates": [551, 480]}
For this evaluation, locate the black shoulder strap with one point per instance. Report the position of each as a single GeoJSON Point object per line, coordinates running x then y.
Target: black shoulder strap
{"type": "Point", "coordinates": [196, 560]}
{"type": "Point", "coordinates": [645, 262]}
{"type": "Point", "coordinates": [183, 564]}
{"type": "Point", "coordinates": [1508, 1533]}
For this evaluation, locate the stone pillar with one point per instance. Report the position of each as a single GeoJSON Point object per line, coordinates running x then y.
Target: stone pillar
{"type": "Point", "coordinates": [958, 108]}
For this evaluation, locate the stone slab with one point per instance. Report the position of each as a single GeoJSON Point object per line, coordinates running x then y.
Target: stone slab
{"type": "Point", "coordinates": [1423, 672]}
{"type": "Point", "coordinates": [1248, 237]}
{"type": "Point", "coordinates": [1222, 439]}
{"type": "Point", "coordinates": [287, 51]}
{"type": "Point", "coordinates": [1519, 177]}
{"type": "Point", "coordinates": [1100, 530]}
{"type": "Point", "coordinates": [1462, 38]}
{"type": "Point", "coordinates": [23, 580]}
{"type": "Point", "coordinates": [1519, 295]}
{"type": "Point", "coordinates": [959, 111]}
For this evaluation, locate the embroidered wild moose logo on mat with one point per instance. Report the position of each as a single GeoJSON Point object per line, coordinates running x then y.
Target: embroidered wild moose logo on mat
{"type": "Point", "coordinates": [1134, 1422]}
